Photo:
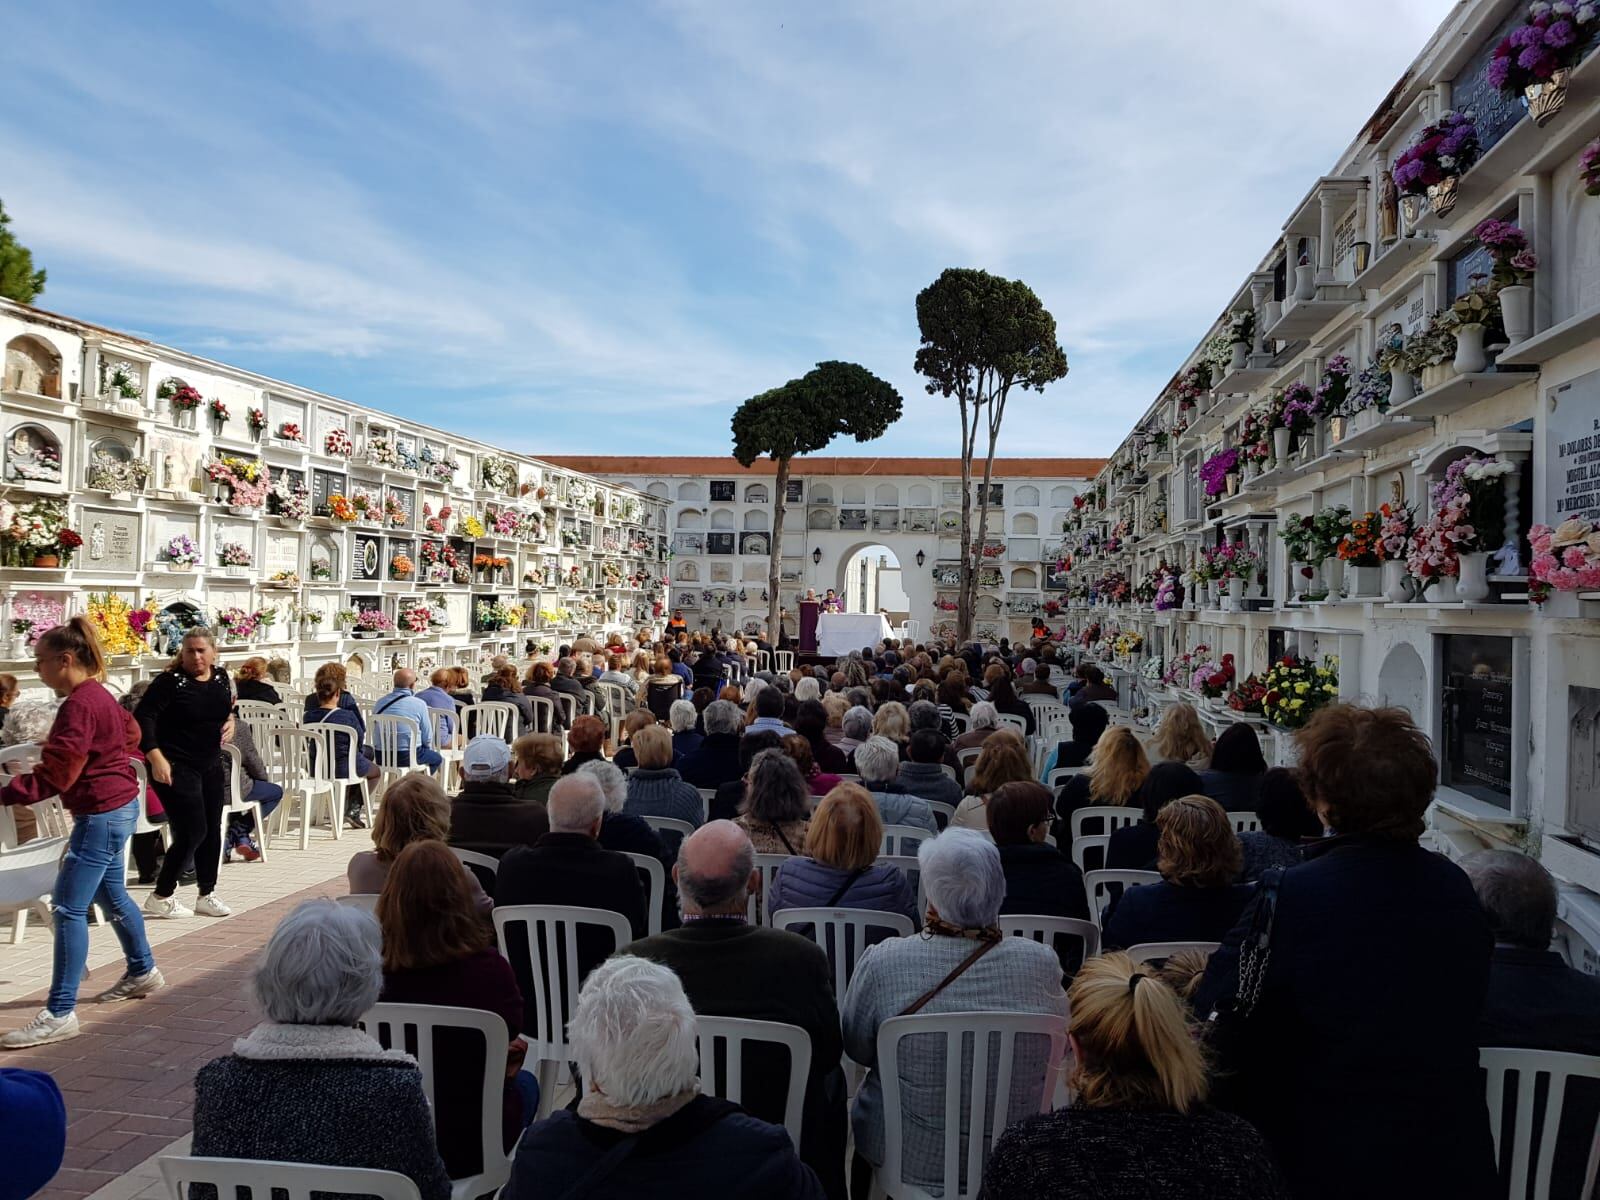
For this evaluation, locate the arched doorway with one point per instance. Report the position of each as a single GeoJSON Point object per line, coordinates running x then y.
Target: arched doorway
{"type": "Point", "coordinates": [869, 579]}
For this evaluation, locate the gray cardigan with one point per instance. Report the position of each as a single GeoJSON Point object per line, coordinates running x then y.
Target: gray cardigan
{"type": "Point", "coordinates": [1018, 976]}
{"type": "Point", "coordinates": [663, 793]}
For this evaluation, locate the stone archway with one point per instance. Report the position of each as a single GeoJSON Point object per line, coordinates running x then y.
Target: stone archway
{"type": "Point", "coordinates": [848, 584]}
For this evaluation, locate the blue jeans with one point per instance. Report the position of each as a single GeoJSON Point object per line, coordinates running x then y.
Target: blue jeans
{"type": "Point", "coordinates": [241, 825]}
{"type": "Point", "coordinates": [426, 756]}
{"type": "Point", "coordinates": [92, 872]}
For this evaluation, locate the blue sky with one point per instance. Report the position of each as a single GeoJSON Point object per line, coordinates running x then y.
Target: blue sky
{"type": "Point", "coordinates": [599, 227]}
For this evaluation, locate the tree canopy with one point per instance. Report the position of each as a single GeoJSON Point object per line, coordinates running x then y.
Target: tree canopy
{"type": "Point", "coordinates": [835, 399]}
{"type": "Point", "coordinates": [18, 280]}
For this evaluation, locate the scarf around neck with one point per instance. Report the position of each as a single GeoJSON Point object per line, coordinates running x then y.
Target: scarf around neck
{"type": "Point", "coordinates": [595, 1107]}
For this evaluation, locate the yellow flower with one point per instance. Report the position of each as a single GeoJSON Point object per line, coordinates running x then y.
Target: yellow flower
{"type": "Point", "coordinates": [1332, 689]}
{"type": "Point", "coordinates": [1297, 704]}
{"type": "Point", "coordinates": [1300, 689]}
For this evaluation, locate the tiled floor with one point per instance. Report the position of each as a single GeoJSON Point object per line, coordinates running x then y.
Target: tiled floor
{"type": "Point", "coordinates": [128, 1078]}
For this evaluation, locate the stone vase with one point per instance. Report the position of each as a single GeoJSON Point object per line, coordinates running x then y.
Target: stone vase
{"type": "Point", "coordinates": [1516, 310]}
{"type": "Point", "coordinates": [1472, 586]}
{"type": "Point", "coordinates": [1305, 283]}
{"type": "Point", "coordinates": [1235, 591]}
{"type": "Point", "coordinates": [1394, 580]}
{"type": "Point", "coordinates": [1470, 358]}
{"type": "Point", "coordinates": [1443, 590]}
{"type": "Point", "coordinates": [1402, 387]}
{"type": "Point", "coordinates": [1363, 581]}
{"type": "Point", "coordinates": [1280, 445]}
{"type": "Point", "coordinates": [1240, 352]}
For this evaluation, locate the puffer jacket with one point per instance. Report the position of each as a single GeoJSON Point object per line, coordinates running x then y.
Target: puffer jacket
{"type": "Point", "coordinates": [807, 883]}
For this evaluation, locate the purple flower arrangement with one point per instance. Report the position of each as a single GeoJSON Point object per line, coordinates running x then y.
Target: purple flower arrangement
{"type": "Point", "coordinates": [1514, 262]}
{"type": "Point", "coordinates": [1447, 147]}
{"type": "Point", "coordinates": [1300, 408]}
{"type": "Point", "coordinates": [1589, 167]}
{"type": "Point", "coordinates": [1166, 592]}
{"type": "Point", "coordinates": [1334, 386]}
{"type": "Point", "coordinates": [1551, 39]}
{"type": "Point", "coordinates": [1215, 470]}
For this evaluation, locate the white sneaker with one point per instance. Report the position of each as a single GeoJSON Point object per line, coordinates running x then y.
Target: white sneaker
{"type": "Point", "coordinates": [42, 1029]}
{"type": "Point", "coordinates": [133, 987]}
{"type": "Point", "coordinates": [210, 906]}
{"type": "Point", "coordinates": [155, 906]}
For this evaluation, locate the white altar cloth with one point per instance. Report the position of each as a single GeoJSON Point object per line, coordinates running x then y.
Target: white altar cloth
{"type": "Point", "coordinates": [840, 633]}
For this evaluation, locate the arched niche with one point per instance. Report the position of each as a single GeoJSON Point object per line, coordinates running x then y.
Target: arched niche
{"type": "Point", "coordinates": [690, 490]}
{"type": "Point", "coordinates": [1403, 682]}
{"type": "Point", "coordinates": [173, 622]}
{"type": "Point", "coordinates": [322, 559]}
{"type": "Point", "coordinates": [855, 493]}
{"type": "Point", "coordinates": [821, 493]}
{"type": "Point", "coordinates": [1024, 523]}
{"type": "Point", "coordinates": [722, 518]}
{"type": "Point", "coordinates": [1024, 577]}
{"type": "Point", "coordinates": [919, 495]}
{"type": "Point", "coordinates": [691, 518]}
{"type": "Point", "coordinates": [886, 495]}
{"type": "Point", "coordinates": [1061, 497]}
{"type": "Point", "coordinates": [687, 572]}
{"type": "Point", "coordinates": [756, 493]}
{"type": "Point", "coordinates": [755, 519]}
{"type": "Point", "coordinates": [1026, 495]}
{"type": "Point", "coordinates": [658, 488]}
{"type": "Point", "coordinates": [32, 454]}
{"type": "Point", "coordinates": [32, 366]}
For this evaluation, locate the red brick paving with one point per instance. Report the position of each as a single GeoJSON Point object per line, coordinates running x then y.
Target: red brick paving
{"type": "Point", "coordinates": [128, 1078]}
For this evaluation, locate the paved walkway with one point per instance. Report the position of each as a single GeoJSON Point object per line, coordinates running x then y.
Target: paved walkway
{"type": "Point", "coordinates": [128, 1078]}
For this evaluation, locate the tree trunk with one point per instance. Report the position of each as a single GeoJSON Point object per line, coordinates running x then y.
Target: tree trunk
{"type": "Point", "coordinates": [983, 508]}
{"type": "Point", "coordinates": [775, 553]}
{"type": "Point", "coordinates": [964, 598]}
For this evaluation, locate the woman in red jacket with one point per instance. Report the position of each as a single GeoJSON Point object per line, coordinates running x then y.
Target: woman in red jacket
{"type": "Point", "coordinates": [86, 761]}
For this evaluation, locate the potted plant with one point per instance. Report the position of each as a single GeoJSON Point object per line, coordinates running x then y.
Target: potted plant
{"type": "Point", "coordinates": [257, 421]}
{"type": "Point", "coordinates": [1434, 163]}
{"type": "Point", "coordinates": [1241, 337]}
{"type": "Point", "coordinates": [236, 558]}
{"type": "Point", "coordinates": [183, 399]}
{"type": "Point", "coordinates": [181, 552]}
{"type": "Point", "coordinates": [1394, 540]}
{"type": "Point", "coordinates": [1533, 60]}
{"type": "Point", "coordinates": [219, 416]}
{"type": "Point", "coordinates": [1361, 551]}
{"type": "Point", "coordinates": [1514, 267]}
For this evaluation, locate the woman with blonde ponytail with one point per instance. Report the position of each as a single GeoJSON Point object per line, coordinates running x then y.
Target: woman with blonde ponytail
{"type": "Point", "coordinates": [87, 761]}
{"type": "Point", "coordinates": [1139, 1125]}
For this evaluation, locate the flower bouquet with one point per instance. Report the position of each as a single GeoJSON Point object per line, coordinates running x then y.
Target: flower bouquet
{"type": "Point", "coordinates": [341, 508]}
{"type": "Point", "coordinates": [401, 567]}
{"type": "Point", "coordinates": [122, 628]}
{"type": "Point", "coordinates": [1211, 679]}
{"type": "Point", "coordinates": [181, 396]}
{"type": "Point", "coordinates": [235, 555]}
{"type": "Point", "coordinates": [1333, 389]}
{"type": "Point", "coordinates": [471, 527]}
{"type": "Point", "coordinates": [394, 512]}
{"type": "Point", "coordinates": [370, 622]}
{"type": "Point", "coordinates": [500, 474]}
{"type": "Point", "coordinates": [367, 506]}
{"type": "Point", "coordinates": [1589, 167]}
{"type": "Point", "coordinates": [1246, 698]}
{"type": "Point", "coordinates": [337, 444]}
{"type": "Point", "coordinates": [283, 579]}
{"type": "Point", "coordinates": [1166, 597]}
{"type": "Point", "coordinates": [1300, 410]}
{"type": "Point", "coordinates": [1441, 153]}
{"type": "Point", "coordinates": [1565, 559]}
{"type": "Point", "coordinates": [181, 551]}
{"type": "Point", "coordinates": [219, 414]}
{"type": "Point", "coordinates": [1296, 687]}
{"type": "Point", "coordinates": [381, 452]}
{"type": "Point", "coordinates": [290, 432]}
{"type": "Point", "coordinates": [1533, 60]}
{"type": "Point", "coordinates": [1215, 470]}
{"type": "Point", "coordinates": [241, 625]}
{"type": "Point", "coordinates": [1507, 245]}
{"type": "Point", "coordinates": [257, 422]}
{"type": "Point", "coordinates": [1362, 546]}
{"type": "Point", "coordinates": [108, 474]}
{"type": "Point", "coordinates": [288, 499]}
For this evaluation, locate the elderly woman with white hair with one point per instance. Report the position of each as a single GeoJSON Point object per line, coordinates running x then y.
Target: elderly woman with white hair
{"type": "Point", "coordinates": [878, 764]}
{"type": "Point", "coordinates": [682, 718]}
{"type": "Point", "coordinates": [306, 1085]}
{"type": "Point", "coordinates": [857, 726]}
{"type": "Point", "coordinates": [982, 720]}
{"type": "Point", "coordinates": [959, 963]}
{"type": "Point", "coordinates": [641, 1128]}
{"type": "Point", "coordinates": [807, 688]}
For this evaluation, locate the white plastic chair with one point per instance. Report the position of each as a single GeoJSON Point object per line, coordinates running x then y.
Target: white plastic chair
{"type": "Point", "coordinates": [966, 757]}
{"type": "Point", "coordinates": [950, 771]}
{"type": "Point", "coordinates": [491, 718]}
{"type": "Point", "coordinates": [767, 865]}
{"type": "Point", "coordinates": [443, 742]}
{"type": "Point", "coordinates": [912, 869]}
{"type": "Point", "coordinates": [544, 715]}
{"type": "Point", "coordinates": [1523, 1070]}
{"type": "Point", "coordinates": [305, 780]}
{"type": "Point", "coordinates": [386, 734]}
{"type": "Point", "coordinates": [1161, 951]}
{"type": "Point", "coordinates": [1046, 929]}
{"type": "Point", "coordinates": [486, 862]}
{"type": "Point", "coordinates": [1084, 843]}
{"type": "Point", "coordinates": [1244, 822]}
{"type": "Point", "coordinates": [338, 743]}
{"type": "Point", "coordinates": [783, 660]}
{"type": "Point", "coordinates": [1060, 775]}
{"type": "Point", "coordinates": [1096, 885]}
{"type": "Point", "coordinates": [668, 825]}
{"type": "Point", "coordinates": [1011, 720]}
{"type": "Point", "coordinates": [731, 1034]}
{"type": "Point", "coordinates": [1112, 817]}
{"type": "Point", "coordinates": [366, 900]}
{"type": "Point", "coordinates": [842, 934]}
{"type": "Point", "coordinates": [942, 808]}
{"type": "Point", "coordinates": [550, 936]}
{"type": "Point", "coordinates": [235, 803]}
{"type": "Point", "coordinates": [655, 886]}
{"type": "Point", "coordinates": [986, 1114]}
{"type": "Point", "coordinates": [14, 761]}
{"type": "Point", "coordinates": [707, 795]}
{"type": "Point", "coordinates": [569, 707]}
{"type": "Point", "coordinates": [896, 837]}
{"type": "Point", "coordinates": [297, 1181]}
{"type": "Point", "coordinates": [27, 878]}
{"type": "Point", "coordinates": [392, 1025]}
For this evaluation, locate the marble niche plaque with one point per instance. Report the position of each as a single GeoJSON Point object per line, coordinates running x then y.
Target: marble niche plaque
{"type": "Point", "coordinates": [113, 540]}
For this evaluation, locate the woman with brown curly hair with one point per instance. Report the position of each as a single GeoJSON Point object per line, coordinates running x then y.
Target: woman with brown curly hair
{"type": "Point", "coordinates": [415, 809]}
{"type": "Point", "coordinates": [1378, 969]}
{"type": "Point", "coordinates": [1198, 898]}
{"type": "Point", "coordinates": [1003, 760]}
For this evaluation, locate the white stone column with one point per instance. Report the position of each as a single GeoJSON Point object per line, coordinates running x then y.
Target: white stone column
{"type": "Point", "coordinates": [1325, 201]}
{"type": "Point", "coordinates": [1260, 293]}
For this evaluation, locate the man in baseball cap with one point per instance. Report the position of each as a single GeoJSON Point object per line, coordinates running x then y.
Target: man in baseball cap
{"type": "Point", "coordinates": [486, 814]}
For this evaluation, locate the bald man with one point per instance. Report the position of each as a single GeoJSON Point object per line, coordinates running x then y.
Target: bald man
{"type": "Point", "coordinates": [731, 968]}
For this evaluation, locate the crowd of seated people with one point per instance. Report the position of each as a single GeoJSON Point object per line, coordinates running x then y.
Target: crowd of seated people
{"type": "Point", "coordinates": [1163, 1102]}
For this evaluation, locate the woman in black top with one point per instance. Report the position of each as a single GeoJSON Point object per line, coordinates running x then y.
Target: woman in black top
{"type": "Point", "coordinates": [1237, 765]}
{"type": "Point", "coordinates": [1133, 847]}
{"type": "Point", "coordinates": [181, 721]}
{"type": "Point", "coordinates": [251, 682]}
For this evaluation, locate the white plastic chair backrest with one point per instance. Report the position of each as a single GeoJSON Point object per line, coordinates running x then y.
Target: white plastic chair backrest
{"type": "Point", "coordinates": [1111, 817]}
{"type": "Point", "coordinates": [655, 884]}
{"type": "Point", "coordinates": [985, 1116]}
{"type": "Point", "coordinates": [784, 659]}
{"type": "Point", "coordinates": [1097, 885]}
{"type": "Point", "coordinates": [1244, 822]}
{"type": "Point", "coordinates": [668, 825]}
{"type": "Point", "coordinates": [617, 698]}
{"type": "Point", "coordinates": [298, 768]}
{"type": "Point", "coordinates": [767, 865]}
{"type": "Point", "coordinates": [497, 717]}
{"type": "Point", "coordinates": [1522, 1069]}
{"type": "Point", "coordinates": [549, 931]}
{"type": "Point", "coordinates": [961, 720]}
{"type": "Point", "coordinates": [20, 759]}
{"type": "Point", "coordinates": [729, 1034]}
{"type": "Point", "coordinates": [950, 771]}
{"type": "Point", "coordinates": [336, 745]}
{"type": "Point", "coordinates": [1020, 724]}
{"type": "Point", "coordinates": [896, 837]}
{"type": "Point", "coordinates": [386, 740]}
{"type": "Point", "coordinates": [471, 858]}
{"type": "Point", "coordinates": [842, 934]}
{"type": "Point", "coordinates": [969, 755]}
{"type": "Point", "coordinates": [442, 726]}
{"type": "Point", "coordinates": [941, 809]}
{"type": "Point", "coordinates": [28, 872]}
{"type": "Point", "coordinates": [393, 1026]}
{"type": "Point", "coordinates": [1161, 951]}
{"type": "Point", "coordinates": [142, 822]}
{"type": "Point", "coordinates": [366, 900]}
{"type": "Point", "coordinates": [1046, 929]}
{"type": "Point", "coordinates": [569, 707]}
{"type": "Point", "coordinates": [912, 869]}
{"type": "Point", "coordinates": [1060, 775]}
{"type": "Point", "coordinates": [261, 710]}
{"type": "Point", "coordinates": [235, 765]}
{"type": "Point", "coordinates": [1084, 844]}
{"type": "Point", "coordinates": [297, 1181]}
{"type": "Point", "coordinates": [544, 713]}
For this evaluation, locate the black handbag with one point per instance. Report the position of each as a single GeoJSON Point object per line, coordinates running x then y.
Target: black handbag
{"type": "Point", "coordinates": [1227, 1025]}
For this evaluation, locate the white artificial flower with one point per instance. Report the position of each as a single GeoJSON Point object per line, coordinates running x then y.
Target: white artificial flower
{"type": "Point", "coordinates": [1562, 9]}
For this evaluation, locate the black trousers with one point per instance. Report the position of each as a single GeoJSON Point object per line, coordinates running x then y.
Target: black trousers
{"type": "Point", "coordinates": [193, 801]}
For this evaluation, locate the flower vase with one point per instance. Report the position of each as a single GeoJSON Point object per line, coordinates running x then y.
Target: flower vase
{"type": "Point", "coordinates": [1363, 581]}
{"type": "Point", "coordinates": [1516, 310]}
{"type": "Point", "coordinates": [47, 561]}
{"type": "Point", "coordinates": [1444, 590]}
{"type": "Point", "coordinates": [1271, 312]}
{"type": "Point", "coordinates": [1411, 209]}
{"type": "Point", "coordinates": [1240, 351]}
{"type": "Point", "coordinates": [1402, 387]}
{"type": "Point", "coordinates": [1442, 195]}
{"type": "Point", "coordinates": [1394, 580]}
{"type": "Point", "coordinates": [1472, 586]}
{"type": "Point", "coordinates": [1280, 445]}
{"type": "Point", "coordinates": [1231, 480]}
{"type": "Point", "coordinates": [1235, 591]}
{"type": "Point", "coordinates": [1205, 593]}
{"type": "Point", "coordinates": [183, 418]}
{"type": "Point", "coordinates": [1305, 283]}
{"type": "Point", "coordinates": [1544, 100]}
{"type": "Point", "coordinates": [1470, 358]}
{"type": "Point", "coordinates": [1252, 468]}
{"type": "Point", "coordinates": [19, 648]}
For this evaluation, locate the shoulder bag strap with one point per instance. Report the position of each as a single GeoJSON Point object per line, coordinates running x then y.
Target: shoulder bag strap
{"type": "Point", "coordinates": [778, 829]}
{"type": "Point", "coordinates": [393, 700]}
{"type": "Point", "coordinates": [844, 887]}
{"type": "Point", "coordinates": [917, 1004]}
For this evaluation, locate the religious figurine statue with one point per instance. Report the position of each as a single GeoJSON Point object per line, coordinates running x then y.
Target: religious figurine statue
{"type": "Point", "coordinates": [97, 542]}
{"type": "Point", "coordinates": [1388, 209]}
{"type": "Point", "coordinates": [1507, 559]}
